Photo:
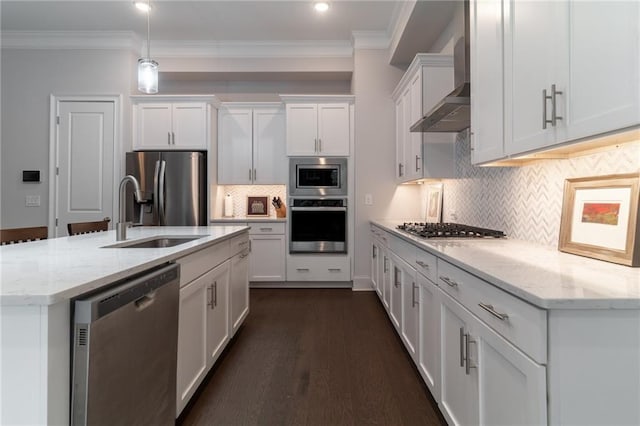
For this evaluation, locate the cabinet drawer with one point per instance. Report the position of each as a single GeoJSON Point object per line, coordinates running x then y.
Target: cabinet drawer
{"type": "Point", "coordinates": [380, 235]}
{"type": "Point", "coordinates": [196, 264]}
{"type": "Point", "coordinates": [318, 268]}
{"type": "Point", "coordinates": [403, 249]}
{"type": "Point", "coordinates": [425, 263]}
{"type": "Point", "coordinates": [265, 228]}
{"type": "Point", "coordinates": [524, 325]}
{"type": "Point", "coordinates": [238, 244]}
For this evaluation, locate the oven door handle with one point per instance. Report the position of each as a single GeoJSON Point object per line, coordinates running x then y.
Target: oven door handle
{"type": "Point", "coordinates": [316, 209]}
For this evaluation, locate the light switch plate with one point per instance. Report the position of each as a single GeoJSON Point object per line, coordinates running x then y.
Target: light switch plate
{"type": "Point", "coordinates": [32, 201]}
{"type": "Point", "coordinates": [368, 200]}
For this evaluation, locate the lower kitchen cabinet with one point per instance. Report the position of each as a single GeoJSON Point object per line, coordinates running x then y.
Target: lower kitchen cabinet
{"type": "Point", "coordinates": [395, 299]}
{"type": "Point", "coordinates": [318, 268]}
{"type": "Point", "coordinates": [239, 298]}
{"type": "Point", "coordinates": [203, 329]}
{"type": "Point", "coordinates": [267, 259]}
{"type": "Point", "coordinates": [429, 339]}
{"type": "Point", "coordinates": [410, 308]}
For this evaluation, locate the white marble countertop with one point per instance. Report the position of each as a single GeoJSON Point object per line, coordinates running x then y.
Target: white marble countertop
{"type": "Point", "coordinates": [49, 271]}
{"type": "Point", "coordinates": [540, 275]}
{"type": "Point", "coordinates": [247, 219]}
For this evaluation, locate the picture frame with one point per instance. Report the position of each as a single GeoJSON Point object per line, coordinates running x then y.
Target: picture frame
{"type": "Point", "coordinates": [434, 203]}
{"type": "Point", "coordinates": [600, 218]}
{"type": "Point", "coordinates": [258, 205]}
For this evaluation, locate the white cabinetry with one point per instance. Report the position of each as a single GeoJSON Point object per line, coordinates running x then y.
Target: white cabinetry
{"type": "Point", "coordinates": [410, 309]}
{"type": "Point", "coordinates": [573, 49]}
{"type": "Point", "coordinates": [395, 297]}
{"type": "Point", "coordinates": [166, 123]}
{"type": "Point", "coordinates": [423, 155]}
{"type": "Point", "coordinates": [251, 144]}
{"type": "Point", "coordinates": [318, 127]}
{"type": "Point", "coordinates": [203, 329]}
{"type": "Point", "coordinates": [318, 268]}
{"type": "Point", "coordinates": [239, 289]}
{"type": "Point", "coordinates": [267, 259]}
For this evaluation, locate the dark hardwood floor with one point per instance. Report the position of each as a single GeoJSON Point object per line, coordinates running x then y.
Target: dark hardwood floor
{"type": "Point", "coordinates": [314, 357]}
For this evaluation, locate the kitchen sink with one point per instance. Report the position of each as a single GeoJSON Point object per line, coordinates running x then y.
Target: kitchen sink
{"type": "Point", "coordinates": [161, 241]}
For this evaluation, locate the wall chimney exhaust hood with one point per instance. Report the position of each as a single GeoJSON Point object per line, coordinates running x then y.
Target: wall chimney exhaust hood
{"type": "Point", "coordinates": [453, 113]}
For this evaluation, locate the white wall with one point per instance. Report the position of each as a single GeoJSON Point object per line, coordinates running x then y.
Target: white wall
{"type": "Point", "coordinates": [29, 77]}
{"type": "Point", "coordinates": [373, 81]}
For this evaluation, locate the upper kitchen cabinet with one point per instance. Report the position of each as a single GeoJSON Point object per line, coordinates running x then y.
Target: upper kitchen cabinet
{"type": "Point", "coordinates": [318, 125]}
{"type": "Point", "coordinates": [423, 155]}
{"type": "Point", "coordinates": [251, 144]}
{"type": "Point", "coordinates": [566, 74]}
{"type": "Point", "coordinates": [171, 122]}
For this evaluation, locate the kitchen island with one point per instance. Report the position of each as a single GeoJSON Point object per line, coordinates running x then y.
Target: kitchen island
{"type": "Point", "coordinates": [509, 332]}
{"type": "Point", "coordinates": [38, 281]}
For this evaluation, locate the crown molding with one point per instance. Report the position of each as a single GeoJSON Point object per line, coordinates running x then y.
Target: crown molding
{"type": "Point", "coordinates": [370, 39]}
{"type": "Point", "coordinates": [251, 49]}
{"type": "Point", "coordinates": [288, 99]}
{"type": "Point", "coordinates": [399, 20]}
{"type": "Point", "coordinates": [107, 40]}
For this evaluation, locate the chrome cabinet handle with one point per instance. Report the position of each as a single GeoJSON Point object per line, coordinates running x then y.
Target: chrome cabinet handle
{"type": "Point", "coordinates": [385, 269]}
{"type": "Point", "coordinates": [302, 269]}
{"type": "Point", "coordinates": [249, 174]}
{"type": "Point", "coordinates": [544, 109]}
{"type": "Point", "coordinates": [554, 115]}
{"type": "Point", "coordinates": [492, 311]}
{"type": "Point", "coordinates": [255, 175]}
{"type": "Point", "coordinates": [422, 264]}
{"type": "Point", "coordinates": [400, 166]}
{"type": "Point", "coordinates": [266, 229]}
{"type": "Point", "coordinates": [414, 300]}
{"type": "Point", "coordinates": [417, 163]}
{"type": "Point", "coordinates": [173, 138]}
{"type": "Point", "coordinates": [467, 342]}
{"type": "Point", "coordinates": [461, 347]}
{"type": "Point", "coordinates": [168, 138]}
{"type": "Point", "coordinates": [215, 293]}
{"type": "Point", "coordinates": [242, 243]}
{"type": "Point", "coordinates": [210, 296]}
{"type": "Point", "coordinates": [448, 281]}
{"type": "Point", "coordinates": [374, 254]}
{"type": "Point", "coordinates": [334, 269]}
{"type": "Point", "coordinates": [315, 146]}
{"type": "Point", "coordinates": [319, 145]}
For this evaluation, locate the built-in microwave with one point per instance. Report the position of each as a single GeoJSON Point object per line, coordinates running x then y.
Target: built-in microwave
{"type": "Point", "coordinates": [317, 176]}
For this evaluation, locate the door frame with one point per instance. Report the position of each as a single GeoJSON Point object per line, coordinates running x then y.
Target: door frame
{"type": "Point", "coordinates": [54, 135]}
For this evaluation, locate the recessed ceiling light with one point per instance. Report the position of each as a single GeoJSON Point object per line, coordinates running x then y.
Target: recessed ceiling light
{"type": "Point", "coordinates": [321, 6]}
{"type": "Point", "coordinates": [142, 5]}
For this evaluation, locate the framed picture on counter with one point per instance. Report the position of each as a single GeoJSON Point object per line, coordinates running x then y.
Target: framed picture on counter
{"type": "Point", "coordinates": [434, 203]}
{"type": "Point", "coordinates": [258, 206]}
{"type": "Point", "coordinates": [600, 218]}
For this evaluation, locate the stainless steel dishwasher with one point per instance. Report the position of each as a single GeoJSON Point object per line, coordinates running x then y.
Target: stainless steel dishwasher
{"type": "Point", "coordinates": [125, 350]}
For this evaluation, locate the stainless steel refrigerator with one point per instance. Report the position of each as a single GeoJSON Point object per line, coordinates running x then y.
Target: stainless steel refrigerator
{"type": "Point", "coordinates": [174, 187]}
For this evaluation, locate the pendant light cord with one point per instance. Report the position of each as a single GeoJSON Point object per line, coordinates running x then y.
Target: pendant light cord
{"type": "Point", "coordinates": [148, 29]}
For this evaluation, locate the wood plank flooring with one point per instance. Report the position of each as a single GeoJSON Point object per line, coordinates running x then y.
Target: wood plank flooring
{"type": "Point", "coordinates": [314, 357]}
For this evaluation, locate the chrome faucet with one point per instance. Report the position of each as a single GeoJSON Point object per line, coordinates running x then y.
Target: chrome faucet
{"type": "Point", "coordinates": [121, 225]}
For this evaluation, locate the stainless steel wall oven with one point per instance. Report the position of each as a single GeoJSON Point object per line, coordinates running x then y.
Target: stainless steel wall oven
{"type": "Point", "coordinates": [318, 225]}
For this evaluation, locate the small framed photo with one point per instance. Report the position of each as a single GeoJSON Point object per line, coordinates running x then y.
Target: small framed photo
{"type": "Point", "coordinates": [600, 218]}
{"type": "Point", "coordinates": [258, 206]}
{"type": "Point", "coordinates": [434, 203]}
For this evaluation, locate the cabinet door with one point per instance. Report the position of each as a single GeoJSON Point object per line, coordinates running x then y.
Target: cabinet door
{"type": "Point", "coordinates": [190, 126]}
{"type": "Point", "coordinates": [512, 387]}
{"type": "Point", "coordinates": [269, 153]}
{"type": "Point", "coordinates": [487, 68]}
{"type": "Point", "coordinates": [333, 129]}
{"type": "Point", "coordinates": [413, 141]}
{"type": "Point", "coordinates": [395, 302]}
{"type": "Point", "coordinates": [375, 280]}
{"type": "Point", "coordinates": [234, 146]}
{"type": "Point", "coordinates": [217, 286]}
{"type": "Point", "coordinates": [153, 126]}
{"type": "Point", "coordinates": [429, 329]}
{"type": "Point", "coordinates": [459, 390]}
{"type": "Point", "coordinates": [239, 290]}
{"type": "Point", "coordinates": [266, 261]}
{"type": "Point", "coordinates": [302, 129]}
{"type": "Point", "coordinates": [410, 309]}
{"type": "Point", "coordinates": [535, 45]}
{"type": "Point", "coordinates": [604, 67]}
{"type": "Point", "coordinates": [400, 138]}
{"type": "Point", "coordinates": [192, 339]}
{"type": "Point", "coordinates": [386, 280]}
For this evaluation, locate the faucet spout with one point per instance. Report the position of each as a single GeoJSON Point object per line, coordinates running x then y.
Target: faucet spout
{"type": "Point", "coordinates": [121, 225]}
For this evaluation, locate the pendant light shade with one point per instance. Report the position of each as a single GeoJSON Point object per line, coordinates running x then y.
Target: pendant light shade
{"type": "Point", "coordinates": [147, 67]}
{"type": "Point", "coordinates": [147, 76]}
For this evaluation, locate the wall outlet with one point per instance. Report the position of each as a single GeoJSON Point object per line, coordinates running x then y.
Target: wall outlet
{"type": "Point", "coordinates": [368, 200]}
{"type": "Point", "coordinates": [32, 201]}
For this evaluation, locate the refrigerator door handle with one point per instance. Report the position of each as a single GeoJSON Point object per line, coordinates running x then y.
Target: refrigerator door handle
{"type": "Point", "coordinates": [156, 198]}
{"type": "Point", "coordinates": [161, 194]}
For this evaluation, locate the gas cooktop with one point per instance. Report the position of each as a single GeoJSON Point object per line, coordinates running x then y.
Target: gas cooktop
{"type": "Point", "coordinates": [448, 230]}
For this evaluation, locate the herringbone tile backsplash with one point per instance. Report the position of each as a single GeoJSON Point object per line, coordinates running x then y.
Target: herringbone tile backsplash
{"type": "Point", "coordinates": [524, 202]}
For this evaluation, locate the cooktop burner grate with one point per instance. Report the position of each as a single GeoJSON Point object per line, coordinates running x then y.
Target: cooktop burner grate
{"type": "Point", "coordinates": [448, 230]}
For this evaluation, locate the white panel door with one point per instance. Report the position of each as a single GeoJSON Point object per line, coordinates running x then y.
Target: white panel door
{"type": "Point", "coordinates": [267, 258]}
{"type": "Point", "coordinates": [400, 138]}
{"type": "Point", "coordinates": [153, 126]}
{"type": "Point", "coordinates": [189, 126]}
{"type": "Point", "coordinates": [85, 146]}
{"type": "Point", "coordinates": [235, 146]}
{"type": "Point", "coordinates": [413, 150]}
{"type": "Point", "coordinates": [604, 67]}
{"type": "Point", "coordinates": [333, 129]}
{"type": "Point", "coordinates": [386, 279]}
{"type": "Point", "coordinates": [218, 311]}
{"type": "Point", "coordinates": [410, 309]}
{"type": "Point", "coordinates": [395, 302]}
{"type": "Point", "coordinates": [270, 163]}
{"type": "Point", "coordinates": [239, 290]}
{"type": "Point", "coordinates": [429, 353]}
{"type": "Point", "coordinates": [302, 129]}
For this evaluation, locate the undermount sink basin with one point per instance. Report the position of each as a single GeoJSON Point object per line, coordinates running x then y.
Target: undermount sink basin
{"type": "Point", "coordinates": [161, 241]}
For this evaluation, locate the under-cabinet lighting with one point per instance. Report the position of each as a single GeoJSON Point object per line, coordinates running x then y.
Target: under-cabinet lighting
{"type": "Point", "coordinates": [321, 6]}
{"type": "Point", "coordinates": [142, 6]}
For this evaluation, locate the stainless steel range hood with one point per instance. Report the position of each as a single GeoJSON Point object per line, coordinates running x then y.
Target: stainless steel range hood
{"type": "Point", "coordinates": [453, 113]}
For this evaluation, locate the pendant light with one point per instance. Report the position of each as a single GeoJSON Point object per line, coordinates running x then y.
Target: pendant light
{"type": "Point", "coordinates": [147, 67]}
